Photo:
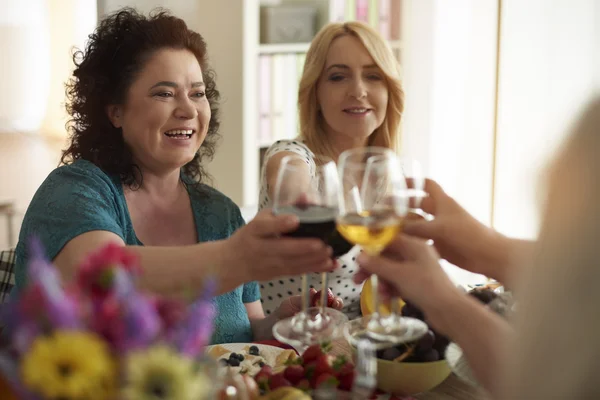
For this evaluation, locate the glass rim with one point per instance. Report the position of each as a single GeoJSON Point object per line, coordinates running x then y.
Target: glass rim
{"type": "Point", "coordinates": [285, 160]}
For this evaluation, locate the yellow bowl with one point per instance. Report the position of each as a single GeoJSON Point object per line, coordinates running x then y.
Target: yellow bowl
{"type": "Point", "coordinates": [366, 301]}
{"type": "Point", "coordinates": [403, 378]}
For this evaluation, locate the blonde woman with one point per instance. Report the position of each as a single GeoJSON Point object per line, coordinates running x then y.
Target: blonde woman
{"type": "Point", "coordinates": [350, 95]}
{"type": "Point", "coordinates": [552, 351]}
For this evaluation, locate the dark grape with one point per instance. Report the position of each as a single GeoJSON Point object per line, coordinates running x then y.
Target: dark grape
{"type": "Point", "coordinates": [484, 295]}
{"type": "Point", "coordinates": [429, 356]}
{"type": "Point", "coordinates": [441, 342]}
{"type": "Point", "coordinates": [426, 342]}
{"type": "Point", "coordinates": [409, 310]}
{"type": "Point", "coordinates": [392, 353]}
{"type": "Point", "coordinates": [234, 362]}
{"type": "Point", "coordinates": [253, 350]}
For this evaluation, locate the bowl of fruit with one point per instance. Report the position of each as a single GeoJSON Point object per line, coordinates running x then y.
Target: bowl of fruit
{"type": "Point", "coordinates": [413, 367]}
{"type": "Point", "coordinates": [418, 366]}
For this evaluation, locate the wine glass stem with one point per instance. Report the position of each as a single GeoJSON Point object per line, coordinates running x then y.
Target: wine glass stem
{"type": "Point", "coordinates": [375, 294]}
{"type": "Point", "coordinates": [305, 293]}
{"type": "Point", "coordinates": [396, 309]}
{"type": "Point", "coordinates": [324, 284]}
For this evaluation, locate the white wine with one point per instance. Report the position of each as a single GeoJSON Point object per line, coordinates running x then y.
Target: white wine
{"type": "Point", "coordinates": [372, 230]}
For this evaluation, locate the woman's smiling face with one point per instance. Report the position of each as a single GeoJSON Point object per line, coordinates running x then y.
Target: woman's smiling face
{"type": "Point", "coordinates": [166, 113]}
{"type": "Point", "coordinates": [352, 92]}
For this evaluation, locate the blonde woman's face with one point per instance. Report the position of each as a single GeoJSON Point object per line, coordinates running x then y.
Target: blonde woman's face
{"type": "Point", "coordinates": [352, 92]}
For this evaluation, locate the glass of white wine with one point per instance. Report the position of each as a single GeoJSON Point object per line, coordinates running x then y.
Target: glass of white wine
{"type": "Point", "coordinates": [373, 202]}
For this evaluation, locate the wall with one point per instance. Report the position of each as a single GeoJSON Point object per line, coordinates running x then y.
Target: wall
{"type": "Point", "coordinates": [548, 69]}
{"type": "Point", "coordinates": [25, 161]}
{"type": "Point", "coordinates": [449, 77]}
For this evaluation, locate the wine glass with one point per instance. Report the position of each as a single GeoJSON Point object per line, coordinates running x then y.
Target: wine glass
{"type": "Point", "coordinates": [374, 201]}
{"type": "Point", "coordinates": [413, 171]}
{"type": "Point", "coordinates": [309, 189]}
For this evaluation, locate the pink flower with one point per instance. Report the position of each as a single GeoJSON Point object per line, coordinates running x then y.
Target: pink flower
{"type": "Point", "coordinates": [96, 274]}
{"type": "Point", "coordinates": [171, 312]}
{"type": "Point", "coordinates": [107, 321]}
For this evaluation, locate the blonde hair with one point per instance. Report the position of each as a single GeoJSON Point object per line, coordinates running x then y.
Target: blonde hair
{"type": "Point", "coordinates": [557, 349]}
{"type": "Point", "coordinates": [311, 121]}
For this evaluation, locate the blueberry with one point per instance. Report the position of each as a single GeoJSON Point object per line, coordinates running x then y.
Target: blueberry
{"type": "Point", "coordinates": [253, 350]}
{"type": "Point", "coordinates": [240, 357]}
{"type": "Point", "coordinates": [233, 356]}
{"type": "Point", "coordinates": [234, 362]}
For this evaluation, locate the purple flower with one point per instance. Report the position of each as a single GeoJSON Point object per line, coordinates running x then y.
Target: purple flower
{"type": "Point", "coordinates": [60, 309]}
{"type": "Point", "coordinates": [196, 329]}
{"type": "Point", "coordinates": [141, 322]}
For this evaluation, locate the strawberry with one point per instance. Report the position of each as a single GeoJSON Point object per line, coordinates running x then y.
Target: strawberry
{"type": "Point", "coordinates": [314, 351]}
{"type": "Point", "coordinates": [309, 370]}
{"type": "Point", "coordinates": [344, 369]}
{"type": "Point", "coordinates": [294, 373]}
{"type": "Point", "coordinates": [326, 379]}
{"type": "Point", "coordinates": [346, 380]}
{"type": "Point", "coordinates": [322, 365]}
{"type": "Point", "coordinates": [344, 372]}
{"type": "Point", "coordinates": [277, 381]}
{"type": "Point", "coordinates": [316, 298]}
{"type": "Point", "coordinates": [263, 376]}
{"type": "Point", "coordinates": [303, 385]}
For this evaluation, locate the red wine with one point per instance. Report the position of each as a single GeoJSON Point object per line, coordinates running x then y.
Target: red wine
{"type": "Point", "coordinates": [318, 222]}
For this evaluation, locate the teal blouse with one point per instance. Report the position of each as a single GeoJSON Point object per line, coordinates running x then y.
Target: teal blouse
{"type": "Point", "coordinates": [80, 197]}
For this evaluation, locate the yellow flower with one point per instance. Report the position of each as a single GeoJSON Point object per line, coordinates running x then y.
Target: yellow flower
{"type": "Point", "coordinates": [69, 365]}
{"type": "Point", "coordinates": [159, 373]}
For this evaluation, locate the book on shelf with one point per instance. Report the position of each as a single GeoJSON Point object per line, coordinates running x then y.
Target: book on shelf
{"type": "Point", "coordinates": [278, 79]}
{"type": "Point", "coordinates": [383, 15]}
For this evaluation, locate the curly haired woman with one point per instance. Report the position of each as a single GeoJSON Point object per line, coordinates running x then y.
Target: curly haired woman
{"type": "Point", "coordinates": [144, 118]}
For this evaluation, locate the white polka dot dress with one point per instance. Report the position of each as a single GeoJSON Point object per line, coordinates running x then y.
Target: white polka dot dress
{"type": "Point", "coordinates": [340, 281]}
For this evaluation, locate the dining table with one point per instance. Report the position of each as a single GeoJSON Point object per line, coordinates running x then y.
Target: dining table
{"type": "Point", "coordinates": [452, 388]}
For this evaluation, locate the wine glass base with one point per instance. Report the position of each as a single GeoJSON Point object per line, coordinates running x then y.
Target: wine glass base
{"type": "Point", "coordinates": [310, 327]}
{"type": "Point", "coordinates": [388, 332]}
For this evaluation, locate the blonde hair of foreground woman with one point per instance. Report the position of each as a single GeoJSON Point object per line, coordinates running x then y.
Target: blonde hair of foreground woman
{"type": "Point", "coordinates": [557, 349]}
{"type": "Point", "coordinates": [311, 122]}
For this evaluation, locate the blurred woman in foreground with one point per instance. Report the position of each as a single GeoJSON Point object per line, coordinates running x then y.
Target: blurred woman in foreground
{"type": "Point", "coordinates": [552, 351]}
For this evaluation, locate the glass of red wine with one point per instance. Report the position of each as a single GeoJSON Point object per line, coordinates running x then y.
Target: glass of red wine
{"type": "Point", "coordinates": [309, 189]}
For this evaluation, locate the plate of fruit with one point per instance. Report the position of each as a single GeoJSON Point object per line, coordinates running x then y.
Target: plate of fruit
{"type": "Point", "coordinates": [315, 369]}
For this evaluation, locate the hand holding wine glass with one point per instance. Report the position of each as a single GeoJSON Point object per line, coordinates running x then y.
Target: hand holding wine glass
{"type": "Point", "coordinates": [375, 201]}
{"type": "Point", "coordinates": [309, 191]}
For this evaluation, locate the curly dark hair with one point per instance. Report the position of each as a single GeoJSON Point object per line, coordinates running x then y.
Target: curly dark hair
{"type": "Point", "coordinates": [115, 53]}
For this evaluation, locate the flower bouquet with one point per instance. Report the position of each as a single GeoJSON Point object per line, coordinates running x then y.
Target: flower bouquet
{"type": "Point", "coordinates": [101, 338]}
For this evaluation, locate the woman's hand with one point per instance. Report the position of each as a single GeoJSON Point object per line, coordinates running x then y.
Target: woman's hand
{"type": "Point", "coordinates": [292, 305]}
{"type": "Point", "coordinates": [259, 252]}
{"type": "Point", "coordinates": [459, 237]}
{"type": "Point", "coordinates": [411, 269]}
